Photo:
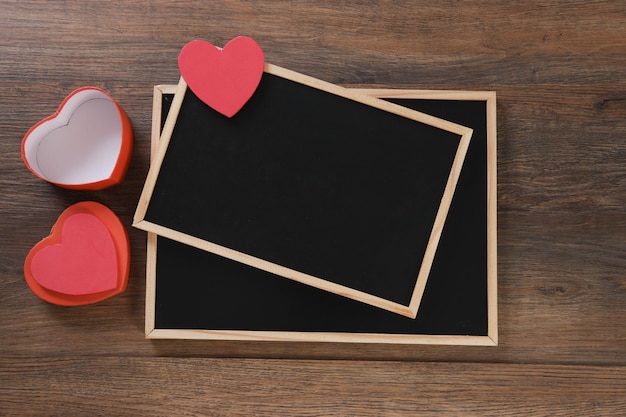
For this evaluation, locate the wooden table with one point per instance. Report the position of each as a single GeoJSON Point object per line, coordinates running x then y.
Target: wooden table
{"type": "Point", "coordinates": [559, 71]}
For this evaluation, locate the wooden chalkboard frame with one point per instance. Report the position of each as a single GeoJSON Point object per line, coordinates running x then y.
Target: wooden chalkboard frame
{"type": "Point", "coordinates": [491, 339]}
{"type": "Point", "coordinates": [409, 310]}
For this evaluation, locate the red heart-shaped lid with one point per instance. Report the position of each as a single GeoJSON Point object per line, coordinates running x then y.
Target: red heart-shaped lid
{"type": "Point", "coordinates": [85, 259]}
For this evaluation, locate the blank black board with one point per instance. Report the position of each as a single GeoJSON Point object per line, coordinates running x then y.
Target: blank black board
{"type": "Point", "coordinates": [197, 290]}
{"type": "Point", "coordinates": [336, 191]}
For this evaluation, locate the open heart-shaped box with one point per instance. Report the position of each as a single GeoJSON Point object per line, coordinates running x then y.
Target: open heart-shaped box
{"type": "Point", "coordinates": [86, 144]}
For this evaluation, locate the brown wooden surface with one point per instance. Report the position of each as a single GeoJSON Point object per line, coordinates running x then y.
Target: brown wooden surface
{"type": "Point", "coordinates": [560, 75]}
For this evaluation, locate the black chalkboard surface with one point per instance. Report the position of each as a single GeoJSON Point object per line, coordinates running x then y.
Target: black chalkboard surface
{"type": "Point", "coordinates": [318, 184]}
{"type": "Point", "coordinates": [195, 294]}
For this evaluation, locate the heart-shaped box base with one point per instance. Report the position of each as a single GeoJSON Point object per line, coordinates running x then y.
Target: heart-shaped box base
{"type": "Point", "coordinates": [86, 144]}
{"type": "Point", "coordinates": [85, 259]}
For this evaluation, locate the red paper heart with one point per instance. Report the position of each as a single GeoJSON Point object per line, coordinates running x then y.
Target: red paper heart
{"type": "Point", "coordinates": [84, 260]}
{"type": "Point", "coordinates": [223, 79]}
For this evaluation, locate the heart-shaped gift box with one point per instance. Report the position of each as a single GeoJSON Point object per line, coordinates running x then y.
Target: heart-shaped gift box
{"type": "Point", "coordinates": [85, 259]}
{"type": "Point", "coordinates": [86, 144]}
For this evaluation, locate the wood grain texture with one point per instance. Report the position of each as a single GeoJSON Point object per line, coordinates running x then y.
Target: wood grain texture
{"type": "Point", "coordinates": [153, 386]}
{"type": "Point", "coordinates": [558, 69]}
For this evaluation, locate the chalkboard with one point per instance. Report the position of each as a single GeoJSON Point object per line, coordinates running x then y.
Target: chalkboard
{"type": "Point", "coordinates": [195, 294]}
{"type": "Point", "coordinates": [319, 184]}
